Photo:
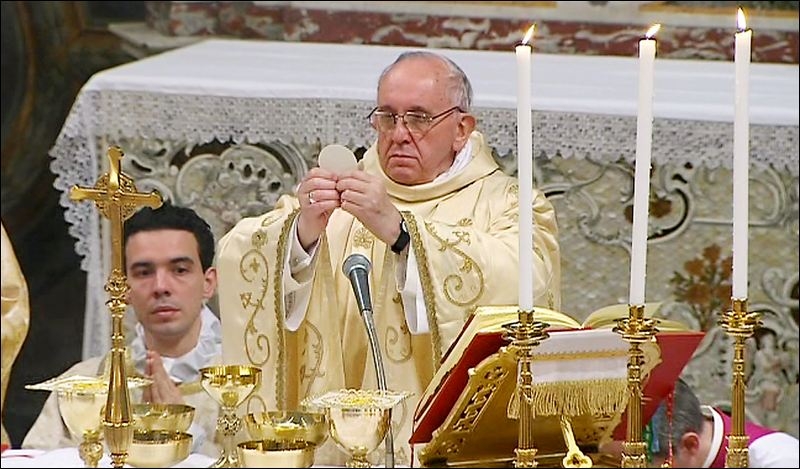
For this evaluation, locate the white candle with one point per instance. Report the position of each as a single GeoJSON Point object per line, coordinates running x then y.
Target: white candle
{"type": "Point", "coordinates": [641, 183]}
{"type": "Point", "coordinates": [741, 154]}
{"type": "Point", "coordinates": [525, 172]}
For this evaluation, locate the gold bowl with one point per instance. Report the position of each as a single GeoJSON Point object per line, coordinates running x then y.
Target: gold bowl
{"type": "Point", "coordinates": [81, 408]}
{"type": "Point", "coordinates": [158, 448]}
{"type": "Point", "coordinates": [169, 417]}
{"type": "Point", "coordinates": [358, 431]}
{"type": "Point", "coordinates": [288, 426]}
{"type": "Point", "coordinates": [267, 453]}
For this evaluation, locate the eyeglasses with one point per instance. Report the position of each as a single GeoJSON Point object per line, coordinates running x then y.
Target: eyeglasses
{"type": "Point", "coordinates": [417, 122]}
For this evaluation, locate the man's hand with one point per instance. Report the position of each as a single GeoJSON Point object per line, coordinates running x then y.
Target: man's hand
{"type": "Point", "coordinates": [163, 390]}
{"type": "Point", "coordinates": [365, 197]}
{"type": "Point", "coordinates": [318, 199]}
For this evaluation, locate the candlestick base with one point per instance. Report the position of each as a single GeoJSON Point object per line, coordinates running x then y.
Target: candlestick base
{"type": "Point", "coordinates": [740, 325]}
{"type": "Point", "coordinates": [525, 335]}
{"type": "Point", "coordinates": [636, 330]}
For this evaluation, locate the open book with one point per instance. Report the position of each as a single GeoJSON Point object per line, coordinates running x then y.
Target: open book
{"type": "Point", "coordinates": [580, 372]}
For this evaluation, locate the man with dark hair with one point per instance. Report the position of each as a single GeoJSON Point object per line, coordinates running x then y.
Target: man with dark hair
{"type": "Point", "coordinates": [168, 255]}
{"type": "Point", "coordinates": [697, 436]}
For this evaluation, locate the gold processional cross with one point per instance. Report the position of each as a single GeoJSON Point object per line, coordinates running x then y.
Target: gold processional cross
{"type": "Point", "coordinates": [116, 197]}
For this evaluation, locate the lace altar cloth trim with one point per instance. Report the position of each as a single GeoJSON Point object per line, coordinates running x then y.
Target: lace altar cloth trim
{"type": "Point", "coordinates": [102, 117]}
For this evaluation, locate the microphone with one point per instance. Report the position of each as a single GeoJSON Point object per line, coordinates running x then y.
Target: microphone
{"type": "Point", "coordinates": [356, 267]}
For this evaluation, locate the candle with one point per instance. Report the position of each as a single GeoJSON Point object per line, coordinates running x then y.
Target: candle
{"type": "Point", "coordinates": [525, 171]}
{"type": "Point", "coordinates": [741, 154]}
{"type": "Point", "coordinates": [641, 184]}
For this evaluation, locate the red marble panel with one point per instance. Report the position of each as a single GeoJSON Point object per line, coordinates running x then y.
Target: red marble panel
{"type": "Point", "coordinates": [285, 22]}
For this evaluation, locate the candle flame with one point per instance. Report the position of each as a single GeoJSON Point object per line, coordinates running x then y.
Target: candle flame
{"type": "Point", "coordinates": [653, 30]}
{"type": "Point", "coordinates": [740, 20]}
{"type": "Point", "coordinates": [529, 34]}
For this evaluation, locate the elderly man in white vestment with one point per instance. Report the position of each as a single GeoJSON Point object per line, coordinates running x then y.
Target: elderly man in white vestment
{"type": "Point", "coordinates": [16, 317]}
{"type": "Point", "coordinates": [169, 254]}
{"type": "Point", "coordinates": [431, 209]}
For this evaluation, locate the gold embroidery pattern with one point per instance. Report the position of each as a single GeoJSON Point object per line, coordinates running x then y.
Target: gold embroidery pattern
{"type": "Point", "coordinates": [255, 403]}
{"type": "Point", "coordinates": [259, 239]}
{"type": "Point", "coordinates": [311, 354]}
{"type": "Point", "coordinates": [427, 285]}
{"type": "Point", "coordinates": [362, 238]}
{"type": "Point", "coordinates": [254, 269]}
{"type": "Point", "coordinates": [270, 218]}
{"type": "Point", "coordinates": [280, 367]}
{"type": "Point", "coordinates": [398, 343]}
{"type": "Point", "coordinates": [400, 450]}
{"type": "Point", "coordinates": [453, 283]}
{"type": "Point", "coordinates": [513, 190]}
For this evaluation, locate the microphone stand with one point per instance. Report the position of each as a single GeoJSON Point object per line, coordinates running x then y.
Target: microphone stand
{"type": "Point", "coordinates": [372, 335]}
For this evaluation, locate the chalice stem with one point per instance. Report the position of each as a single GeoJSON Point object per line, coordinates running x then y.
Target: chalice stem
{"type": "Point", "coordinates": [90, 449]}
{"type": "Point", "coordinates": [229, 424]}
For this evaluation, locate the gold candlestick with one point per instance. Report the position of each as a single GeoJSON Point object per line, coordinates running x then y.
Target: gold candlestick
{"type": "Point", "coordinates": [739, 324]}
{"type": "Point", "coordinates": [636, 330]}
{"type": "Point", "coordinates": [117, 199]}
{"type": "Point", "coordinates": [525, 334]}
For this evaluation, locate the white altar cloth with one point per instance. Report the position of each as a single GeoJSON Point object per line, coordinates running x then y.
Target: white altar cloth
{"type": "Point", "coordinates": [262, 91]}
{"type": "Point", "coordinates": [68, 457]}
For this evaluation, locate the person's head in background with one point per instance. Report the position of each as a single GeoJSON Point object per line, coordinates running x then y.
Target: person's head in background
{"type": "Point", "coordinates": [684, 427]}
{"type": "Point", "coordinates": [422, 116]}
{"type": "Point", "coordinates": [169, 255]}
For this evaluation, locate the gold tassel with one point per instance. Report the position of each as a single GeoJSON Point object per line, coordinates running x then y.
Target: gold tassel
{"type": "Point", "coordinates": [574, 398]}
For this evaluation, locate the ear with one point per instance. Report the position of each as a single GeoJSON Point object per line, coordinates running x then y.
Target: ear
{"type": "Point", "coordinates": [690, 447]}
{"type": "Point", "coordinates": [465, 127]}
{"type": "Point", "coordinates": [210, 284]}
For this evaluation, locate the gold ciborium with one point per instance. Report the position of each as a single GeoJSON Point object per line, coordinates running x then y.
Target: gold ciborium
{"type": "Point", "coordinates": [158, 448]}
{"type": "Point", "coordinates": [269, 453]}
{"type": "Point", "coordinates": [359, 420]}
{"type": "Point", "coordinates": [229, 385]}
{"type": "Point", "coordinates": [288, 426]}
{"type": "Point", "coordinates": [169, 417]}
{"type": "Point", "coordinates": [81, 407]}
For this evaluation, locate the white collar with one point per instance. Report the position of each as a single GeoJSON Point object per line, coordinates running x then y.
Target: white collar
{"type": "Point", "coordinates": [716, 435]}
{"type": "Point", "coordinates": [186, 368]}
{"type": "Point", "coordinates": [460, 162]}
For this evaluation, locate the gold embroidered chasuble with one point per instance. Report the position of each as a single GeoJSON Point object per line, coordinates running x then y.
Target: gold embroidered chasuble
{"type": "Point", "coordinates": [16, 316]}
{"type": "Point", "coordinates": [464, 235]}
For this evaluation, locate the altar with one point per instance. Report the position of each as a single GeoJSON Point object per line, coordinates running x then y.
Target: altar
{"type": "Point", "coordinates": [227, 126]}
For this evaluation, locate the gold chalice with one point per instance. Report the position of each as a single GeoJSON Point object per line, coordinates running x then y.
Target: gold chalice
{"type": "Point", "coordinates": [81, 400]}
{"type": "Point", "coordinates": [229, 385]}
{"type": "Point", "coordinates": [359, 420]}
{"type": "Point", "coordinates": [81, 406]}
